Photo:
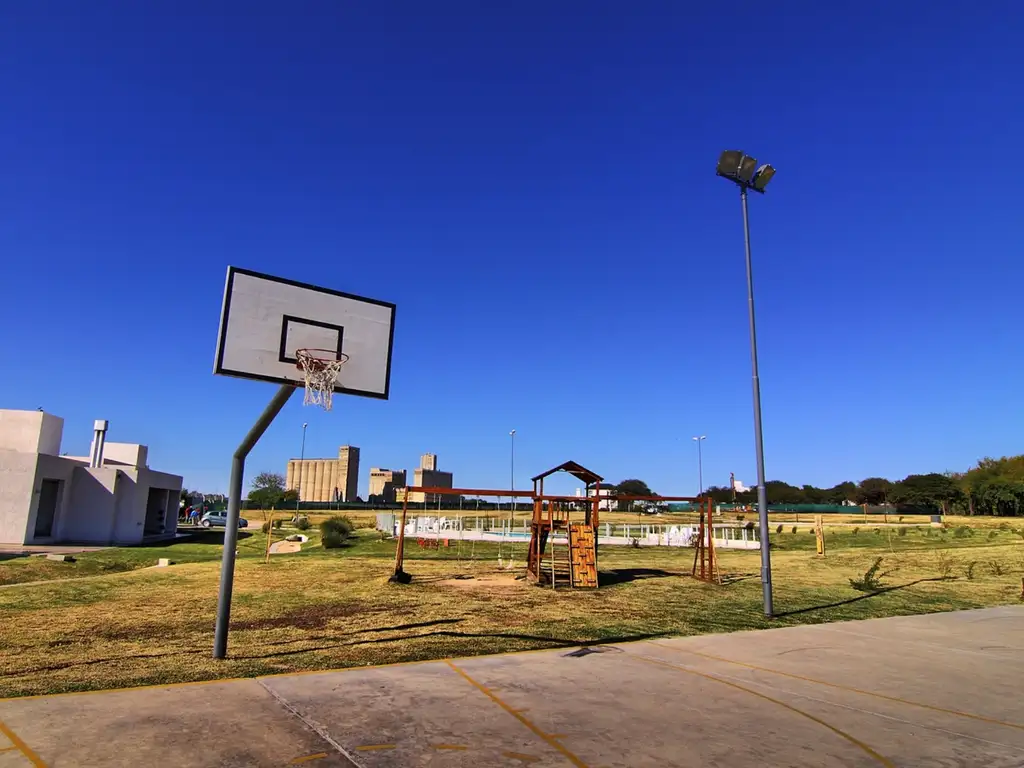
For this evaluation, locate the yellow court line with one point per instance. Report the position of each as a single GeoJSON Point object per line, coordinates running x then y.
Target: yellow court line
{"type": "Point", "coordinates": [24, 748]}
{"type": "Point", "coordinates": [857, 742]}
{"type": "Point", "coordinates": [838, 686]}
{"type": "Point", "coordinates": [307, 758]}
{"type": "Point", "coordinates": [448, 746]}
{"type": "Point", "coordinates": [8, 749]}
{"type": "Point", "coordinates": [548, 738]}
{"type": "Point", "coordinates": [372, 747]}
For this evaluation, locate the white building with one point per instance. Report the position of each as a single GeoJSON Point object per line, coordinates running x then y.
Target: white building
{"type": "Point", "coordinates": [605, 504]}
{"type": "Point", "coordinates": [109, 497]}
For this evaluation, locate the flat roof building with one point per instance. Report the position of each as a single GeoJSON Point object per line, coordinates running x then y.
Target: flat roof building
{"type": "Point", "coordinates": [109, 497]}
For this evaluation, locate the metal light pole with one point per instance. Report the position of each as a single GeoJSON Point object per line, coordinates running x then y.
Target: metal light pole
{"type": "Point", "coordinates": [298, 480]}
{"type": "Point", "coordinates": [742, 170]}
{"type": "Point", "coordinates": [512, 475]}
{"type": "Point", "coordinates": [700, 464]}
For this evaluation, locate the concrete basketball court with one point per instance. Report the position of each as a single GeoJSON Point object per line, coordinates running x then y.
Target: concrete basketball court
{"type": "Point", "coordinates": [937, 690]}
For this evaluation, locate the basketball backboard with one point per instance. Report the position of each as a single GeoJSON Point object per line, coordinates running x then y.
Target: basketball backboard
{"type": "Point", "coordinates": [265, 319]}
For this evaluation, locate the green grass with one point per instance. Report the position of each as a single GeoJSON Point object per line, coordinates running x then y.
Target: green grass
{"type": "Point", "coordinates": [322, 609]}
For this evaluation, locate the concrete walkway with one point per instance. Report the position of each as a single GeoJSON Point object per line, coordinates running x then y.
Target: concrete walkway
{"type": "Point", "coordinates": [938, 690]}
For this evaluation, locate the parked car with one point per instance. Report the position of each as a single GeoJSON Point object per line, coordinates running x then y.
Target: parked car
{"type": "Point", "coordinates": [220, 518]}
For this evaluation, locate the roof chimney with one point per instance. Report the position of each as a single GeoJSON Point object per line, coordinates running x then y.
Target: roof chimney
{"type": "Point", "coordinates": [99, 437]}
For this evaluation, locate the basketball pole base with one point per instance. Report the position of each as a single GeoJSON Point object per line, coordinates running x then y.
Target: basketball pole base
{"type": "Point", "coordinates": [400, 577]}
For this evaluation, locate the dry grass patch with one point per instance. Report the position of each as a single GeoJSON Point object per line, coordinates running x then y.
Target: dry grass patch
{"type": "Point", "coordinates": [320, 610]}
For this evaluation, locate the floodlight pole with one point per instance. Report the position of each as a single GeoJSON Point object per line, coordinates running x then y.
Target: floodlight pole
{"type": "Point", "coordinates": [298, 480]}
{"type": "Point", "coordinates": [512, 475]}
{"type": "Point", "coordinates": [762, 495]}
{"type": "Point", "coordinates": [700, 464]}
{"type": "Point", "coordinates": [227, 562]}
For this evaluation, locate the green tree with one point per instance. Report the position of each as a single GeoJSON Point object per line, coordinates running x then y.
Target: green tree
{"type": "Point", "coordinates": [719, 494]}
{"type": "Point", "coordinates": [845, 491]}
{"type": "Point", "coordinates": [993, 487]}
{"type": "Point", "coordinates": [267, 490]}
{"type": "Point", "coordinates": [814, 495]}
{"type": "Point", "coordinates": [933, 491]}
{"type": "Point", "coordinates": [873, 490]}
{"type": "Point", "coordinates": [632, 487]}
{"type": "Point", "coordinates": [779, 492]}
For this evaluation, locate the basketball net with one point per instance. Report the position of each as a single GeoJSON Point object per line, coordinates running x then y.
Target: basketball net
{"type": "Point", "coordinates": [321, 376]}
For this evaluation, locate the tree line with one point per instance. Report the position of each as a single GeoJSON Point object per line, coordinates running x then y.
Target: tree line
{"type": "Point", "coordinates": [992, 487]}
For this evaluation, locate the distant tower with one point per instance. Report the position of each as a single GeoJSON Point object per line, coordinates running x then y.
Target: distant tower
{"type": "Point", "coordinates": [428, 461]}
{"type": "Point", "coordinates": [348, 472]}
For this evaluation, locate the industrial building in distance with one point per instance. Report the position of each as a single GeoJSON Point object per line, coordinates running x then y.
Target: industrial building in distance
{"type": "Point", "coordinates": [384, 484]}
{"type": "Point", "coordinates": [326, 479]}
{"type": "Point", "coordinates": [427, 475]}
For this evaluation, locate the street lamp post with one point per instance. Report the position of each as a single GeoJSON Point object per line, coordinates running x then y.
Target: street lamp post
{"type": "Point", "coordinates": [512, 475]}
{"type": "Point", "coordinates": [743, 171]}
{"type": "Point", "coordinates": [298, 480]}
{"type": "Point", "coordinates": [700, 464]}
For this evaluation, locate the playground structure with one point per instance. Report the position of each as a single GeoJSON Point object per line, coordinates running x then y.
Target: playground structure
{"type": "Point", "coordinates": [572, 521]}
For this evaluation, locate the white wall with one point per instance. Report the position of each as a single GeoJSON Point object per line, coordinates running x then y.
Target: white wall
{"type": "Point", "coordinates": [90, 508]}
{"type": "Point", "coordinates": [30, 432]}
{"type": "Point", "coordinates": [52, 468]}
{"type": "Point", "coordinates": [17, 479]}
{"type": "Point", "coordinates": [129, 454]}
{"type": "Point", "coordinates": [172, 484]}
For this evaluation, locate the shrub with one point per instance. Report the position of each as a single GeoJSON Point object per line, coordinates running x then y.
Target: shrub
{"type": "Point", "coordinates": [779, 529]}
{"type": "Point", "coordinates": [741, 518]}
{"type": "Point", "coordinates": [992, 535]}
{"type": "Point", "coordinates": [278, 523]}
{"type": "Point", "coordinates": [927, 531]}
{"type": "Point", "coordinates": [1003, 526]}
{"type": "Point", "coordinates": [265, 527]}
{"type": "Point", "coordinates": [901, 519]}
{"type": "Point", "coordinates": [963, 531]}
{"type": "Point", "coordinates": [996, 567]}
{"type": "Point", "coordinates": [794, 529]}
{"type": "Point", "coordinates": [335, 532]}
{"type": "Point", "coordinates": [878, 531]}
{"type": "Point", "coordinates": [969, 570]}
{"type": "Point", "coordinates": [871, 581]}
{"type": "Point", "coordinates": [903, 531]}
{"type": "Point", "coordinates": [749, 525]}
{"type": "Point", "coordinates": [944, 563]}
{"type": "Point", "coordinates": [302, 523]}
{"type": "Point", "coordinates": [854, 531]}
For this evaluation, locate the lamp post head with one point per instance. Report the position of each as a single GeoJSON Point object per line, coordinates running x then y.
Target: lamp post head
{"type": "Point", "coordinates": [513, 433]}
{"type": "Point", "coordinates": [743, 170]}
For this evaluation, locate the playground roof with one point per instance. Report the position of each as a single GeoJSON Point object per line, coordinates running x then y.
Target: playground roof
{"type": "Point", "coordinates": [576, 470]}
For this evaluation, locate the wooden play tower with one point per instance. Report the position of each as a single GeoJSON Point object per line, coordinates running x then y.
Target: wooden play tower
{"type": "Point", "coordinates": [563, 532]}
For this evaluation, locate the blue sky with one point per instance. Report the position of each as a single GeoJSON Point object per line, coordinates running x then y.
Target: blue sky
{"type": "Point", "coordinates": [533, 185]}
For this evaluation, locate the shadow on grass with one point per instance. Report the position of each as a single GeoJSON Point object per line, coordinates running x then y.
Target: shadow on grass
{"type": "Point", "coordinates": [198, 536]}
{"type": "Point", "coordinates": [12, 555]}
{"type": "Point", "coordinates": [735, 578]}
{"type": "Point", "coordinates": [624, 575]}
{"type": "Point", "coordinates": [850, 601]}
{"type": "Point", "coordinates": [550, 642]}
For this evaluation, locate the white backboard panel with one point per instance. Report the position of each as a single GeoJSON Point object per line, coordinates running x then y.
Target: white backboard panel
{"type": "Point", "coordinates": [265, 319]}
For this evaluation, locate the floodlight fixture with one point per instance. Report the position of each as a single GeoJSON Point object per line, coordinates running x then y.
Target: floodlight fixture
{"type": "Point", "coordinates": [743, 170]}
{"type": "Point", "coordinates": [762, 177]}
{"type": "Point", "coordinates": [729, 163]}
{"type": "Point", "coordinates": [747, 167]}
